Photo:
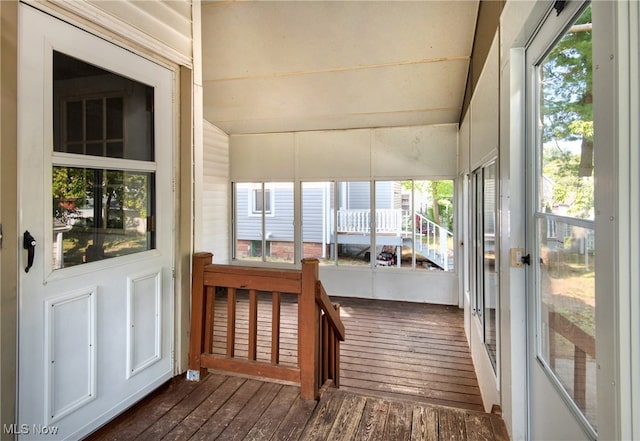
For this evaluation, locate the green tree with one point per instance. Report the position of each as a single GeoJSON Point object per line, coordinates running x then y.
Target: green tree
{"type": "Point", "coordinates": [440, 200]}
{"type": "Point", "coordinates": [69, 190]}
{"type": "Point", "coordinates": [567, 116]}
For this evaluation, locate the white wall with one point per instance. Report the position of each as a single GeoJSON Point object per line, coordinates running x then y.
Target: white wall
{"type": "Point", "coordinates": [426, 152]}
{"type": "Point", "coordinates": [484, 112]}
{"type": "Point", "coordinates": [391, 284]}
{"type": "Point", "coordinates": [215, 193]}
{"type": "Point", "coordinates": [420, 152]}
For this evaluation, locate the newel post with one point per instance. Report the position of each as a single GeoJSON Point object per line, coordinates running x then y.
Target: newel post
{"type": "Point", "coordinates": [308, 331]}
{"type": "Point", "coordinates": [198, 310]}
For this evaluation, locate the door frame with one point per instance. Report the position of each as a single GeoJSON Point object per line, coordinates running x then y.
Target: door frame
{"type": "Point", "coordinates": [8, 211]}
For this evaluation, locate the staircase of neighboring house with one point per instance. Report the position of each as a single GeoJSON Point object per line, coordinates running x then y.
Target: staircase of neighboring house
{"type": "Point", "coordinates": [248, 339]}
{"type": "Point", "coordinates": [434, 242]}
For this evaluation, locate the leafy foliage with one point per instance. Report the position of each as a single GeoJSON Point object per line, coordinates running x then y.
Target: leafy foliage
{"type": "Point", "coordinates": [567, 117]}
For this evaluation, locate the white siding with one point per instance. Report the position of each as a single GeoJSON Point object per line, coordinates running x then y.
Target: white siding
{"type": "Point", "coordinates": [165, 21]}
{"type": "Point", "coordinates": [156, 28]}
{"type": "Point", "coordinates": [215, 193]}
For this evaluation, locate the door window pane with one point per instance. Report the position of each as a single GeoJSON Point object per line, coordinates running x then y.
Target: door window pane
{"type": "Point", "coordinates": [567, 309]}
{"type": "Point", "coordinates": [485, 282]}
{"type": "Point", "coordinates": [565, 180]}
{"type": "Point", "coordinates": [91, 106]}
{"type": "Point", "coordinates": [490, 272]}
{"type": "Point", "coordinates": [100, 214]}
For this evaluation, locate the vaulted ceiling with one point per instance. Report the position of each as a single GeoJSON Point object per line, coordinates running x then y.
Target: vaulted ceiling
{"type": "Point", "coordinates": [314, 65]}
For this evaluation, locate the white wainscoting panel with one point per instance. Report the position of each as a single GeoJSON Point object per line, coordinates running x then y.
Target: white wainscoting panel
{"type": "Point", "coordinates": [143, 321]}
{"type": "Point", "coordinates": [70, 348]}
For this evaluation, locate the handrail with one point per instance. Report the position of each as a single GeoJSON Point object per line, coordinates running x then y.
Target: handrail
{"type": "Point", "coordinates": [328, 308]}
{"type": "Point", "coordinates": [319, 326]}
{"type": "Point", "coordinates": [332, 332]}
{"type": "Point", "coordinates": [437, 241]}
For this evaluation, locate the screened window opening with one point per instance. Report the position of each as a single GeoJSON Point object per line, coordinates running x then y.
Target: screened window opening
{"type": "Point", "coordinates": [414, 224]}
{"type": "Point", "coordinates": [263, 222]}
{"type": "Point", "coordinates": [408, 224]}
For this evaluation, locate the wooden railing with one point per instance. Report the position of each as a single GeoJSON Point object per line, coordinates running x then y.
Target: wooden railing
{"type": "Point", "coordinates": [583, 344]}
{"type": "Point", "coordinates": [319, 327]}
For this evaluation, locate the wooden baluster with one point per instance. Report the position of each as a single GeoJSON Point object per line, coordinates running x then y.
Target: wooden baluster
{"type": "Point", "coordinates": [336, 353]}
{"type": "Point", "coordinates": [325, 348]}
{"type": "Point", "coordinates": [275, 328]}
{"type": "Point", "coordinates": [552, 339]}
{"type": "Point", "coordinates": [580, 377]}
{"type": "Point", "coordinates": [308, 332]}
{"type": "Point", "coordinates": [331, 353]}
{"type": "Point", "coordinates": [231, 321]}
{"type": "Point", "coordinates": [253, 325]}
{"type": "Point", "coordinates": [196, 344]}
{"type": "Point", "coordinates": [210, 311]}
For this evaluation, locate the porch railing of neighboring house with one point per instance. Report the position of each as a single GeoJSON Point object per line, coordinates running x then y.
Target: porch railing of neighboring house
{"type": "Point", "coordinates": [432, 240]}
{"type": "Point", "coordinates": [583, 344]}
{"type": "Point", "coordinates": [320, 329]}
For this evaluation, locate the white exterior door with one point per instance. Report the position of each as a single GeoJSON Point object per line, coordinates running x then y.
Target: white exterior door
{"type": "Point", "coordinates": [570, 299]}
{"type": "Point", "coordinates": [95, 174]}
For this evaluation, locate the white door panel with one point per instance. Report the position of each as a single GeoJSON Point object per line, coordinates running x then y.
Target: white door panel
{"type": "Point", "coordinates": [96, 308]}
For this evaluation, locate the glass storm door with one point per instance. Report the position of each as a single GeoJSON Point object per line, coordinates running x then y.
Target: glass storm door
{"type": "Point", "coordinates": [95, 148]}
{"type": "Point", "coordinates": [564, 366]}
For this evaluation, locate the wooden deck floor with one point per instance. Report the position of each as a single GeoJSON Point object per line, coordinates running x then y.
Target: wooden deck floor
{"type": "Point", "coordinates": [406, 373]}
{"type": "Point", "coordinates": [223, 407]}
{"type": "Point", "coordinates": [408, 351]}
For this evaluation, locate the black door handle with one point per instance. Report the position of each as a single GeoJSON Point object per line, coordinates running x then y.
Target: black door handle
{"type": "Point", "coordinates": [29, 244]}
